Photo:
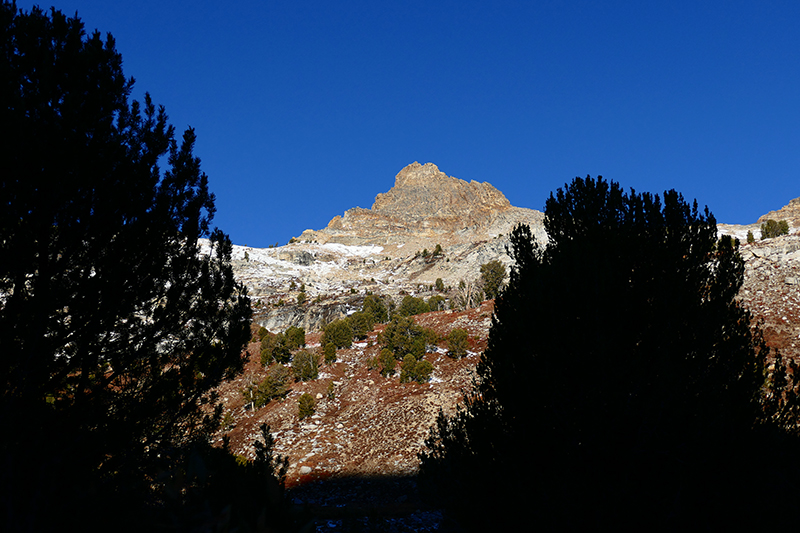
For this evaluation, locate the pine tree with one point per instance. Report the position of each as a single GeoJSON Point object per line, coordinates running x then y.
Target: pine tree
{"type": "Point", "coordinates": [114, 329]}
{"type": "Point", "coordinates": [306, 406]}
{"type": "Point", "coordinates": [621, 380]}
{"type": "Point", "coordinates": [457, 342]}
{"type": "Point", "coordinates": [493, 274]}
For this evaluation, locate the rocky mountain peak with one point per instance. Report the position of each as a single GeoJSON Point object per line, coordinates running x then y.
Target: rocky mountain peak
{"type": "Point", "coordinates": [422, 191]}
{"type": "Point", "coordinates": [424, 205]}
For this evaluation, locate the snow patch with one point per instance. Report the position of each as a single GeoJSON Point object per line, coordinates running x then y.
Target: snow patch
{"type": "Point", "coordinates": [347, 249]}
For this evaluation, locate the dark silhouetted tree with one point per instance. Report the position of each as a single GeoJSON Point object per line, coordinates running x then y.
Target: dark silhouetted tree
{"type": "Point", "coordinates": [621, 383]}
{"type": "Point", "coordinates": [114, 329]}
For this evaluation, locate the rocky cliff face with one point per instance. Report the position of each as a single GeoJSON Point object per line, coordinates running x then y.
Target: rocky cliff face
{"type": "Point", "coordinates": [426, 204]}
{"type": "Point", "coordinates": [424, 194]}
{"type": "Point", "coordinates": [790, 213]}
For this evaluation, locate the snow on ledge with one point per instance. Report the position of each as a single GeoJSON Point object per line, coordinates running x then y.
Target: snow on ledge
{"type": "Point", "coordinates": [348, 249]}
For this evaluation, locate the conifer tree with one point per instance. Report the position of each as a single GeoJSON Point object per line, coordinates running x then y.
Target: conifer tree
{"type": "Point", "coordinates": [621, 380]}
{"type": "Point", "coordinates": [114, 328]}
{"type": "Point", "coordinates": [493, 274]}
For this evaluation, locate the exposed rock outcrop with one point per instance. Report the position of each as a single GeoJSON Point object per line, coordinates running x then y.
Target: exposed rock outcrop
{"type": "Point", "coordinates": [772, 272]}
{"type": "Point", "coordinates": [790, 213]}
{"type": "Point", "coordinates": [425, 204]}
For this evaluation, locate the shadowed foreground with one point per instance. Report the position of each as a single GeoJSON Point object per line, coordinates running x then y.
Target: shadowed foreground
{"type": "Point", "coordinates": [368, 503]}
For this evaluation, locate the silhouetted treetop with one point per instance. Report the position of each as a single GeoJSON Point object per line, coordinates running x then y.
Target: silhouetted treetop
{"type": "Point", "coordinates": [621, 382]}
{"type": "Point", "coordinates": [114, 329]}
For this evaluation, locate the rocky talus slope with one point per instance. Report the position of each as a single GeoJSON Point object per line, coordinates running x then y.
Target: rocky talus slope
{"type": "Point", "coordinates": [369, 425]}
{"type": "Point", "coordinates": [771, 290]}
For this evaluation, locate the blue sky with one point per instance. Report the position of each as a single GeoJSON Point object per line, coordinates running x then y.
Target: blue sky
{"type": "Point", "coordinates": [304, 109]}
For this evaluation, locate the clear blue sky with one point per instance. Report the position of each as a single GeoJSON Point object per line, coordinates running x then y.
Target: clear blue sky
{"type": "Point", "coordinates": [304, 109]}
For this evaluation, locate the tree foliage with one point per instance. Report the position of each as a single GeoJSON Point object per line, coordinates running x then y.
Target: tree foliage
{"type": "Point", "coordinates": [376, 308]}
{"type": "Point", "coordinates": [305, 366]}
{"type": "Point", "coordinates": [279, 347]}
{"type": "Point", "coordinates": [403, 336]}
{"type": "Point", "coordinates": [412, 306]}
{"type": "Point", "coordinates": [114, 329]}
{"type": "Point", "coordinates": [339, 333]}
{"type": "Point", "coordinates": [274, 385]}
{"type": "Point", "coordinates": [620, 361]}
{"type": "Point", "coordinates": [414, 369]}
{"type": "Point", "coordinates": [457, 343]}
{"type": "Point", "coordinates": [493, 275]}
{"type": "Point", "coordinates": [361, 324]}
{"type": "Point", "coordinates": [330, 353]}
{"type": "Point", "coordinates": [468, 295]}
{"type": "Point", "coordinates": [386, 363]}
{"type": "Point", "coordinates": [295, 337]}
{"type": "Point", "coordinates": [771, 229]}
{"type": "Point", "coordinates": [437, 303]}
{"type": "Point", "coordinates": [306, 406]}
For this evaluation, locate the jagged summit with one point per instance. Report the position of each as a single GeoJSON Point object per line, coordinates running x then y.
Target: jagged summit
{"type": "Point", "coordinates": [423, 191]}
{"type": "Point", "coordinates": [425, 203]}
